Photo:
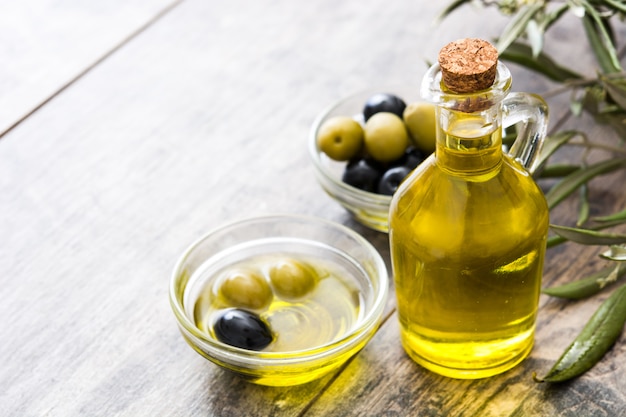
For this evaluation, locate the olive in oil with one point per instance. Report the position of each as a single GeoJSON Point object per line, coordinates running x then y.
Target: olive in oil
{"type": "Point", "coordinates": [468, 231]}
{"type": "Point", "coordinates": [309, 309]}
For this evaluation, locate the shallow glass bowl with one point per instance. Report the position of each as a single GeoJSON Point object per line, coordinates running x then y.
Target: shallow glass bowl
{"type": "Point", "coordinates": [333, 243]}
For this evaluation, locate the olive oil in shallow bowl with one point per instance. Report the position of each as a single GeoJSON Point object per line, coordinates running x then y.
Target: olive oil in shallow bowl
{"type": "Point", "coordinates": [237, 307]}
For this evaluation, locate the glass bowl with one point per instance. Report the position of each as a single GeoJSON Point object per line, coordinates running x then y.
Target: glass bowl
{"type": "Point", "coordinates": [368, 208]}
{"type": "Point", "coordinates": [347, 301]}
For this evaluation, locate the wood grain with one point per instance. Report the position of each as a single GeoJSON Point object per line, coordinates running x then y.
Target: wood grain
{"type": "Point", "coordinates": [197, 119]}
{"type": "Point", "coordinates": [46, 45]}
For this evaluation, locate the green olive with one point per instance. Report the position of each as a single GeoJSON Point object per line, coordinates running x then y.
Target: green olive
{"type": "Point", "coordinates": [386, 137]}
{"type": "Point", "coordinates": [421, 122]}
{"type": "Point", "coordinates": [245, 289]}
{"type": "Point", "coordinates": [340, 137]}
{"type": "Point", "coordinates": [292, 279]}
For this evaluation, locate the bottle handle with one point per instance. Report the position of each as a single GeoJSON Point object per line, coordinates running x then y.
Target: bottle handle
{"type": "Point", "coordinates": [531, 112]}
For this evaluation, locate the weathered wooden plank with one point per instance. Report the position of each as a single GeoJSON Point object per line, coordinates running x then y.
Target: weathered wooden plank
{"type": "Point", "coordinates": [44, 46]}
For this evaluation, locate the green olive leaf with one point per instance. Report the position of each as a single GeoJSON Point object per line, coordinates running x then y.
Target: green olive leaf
{"type": "Point", "coordinates": [553, 142]}
{"type": "Point", "coordinates": [551, 17]}
{"type": "Point", "coordinates": [451, 7]}
{"type": "Point", "coordinates": [615, 253]}
{"type": "Point", "coordinates": [600, 41]}
{"type": "Point", "coordinates": [588, 237]}
{"type": "Point", "coordinates": [621, 215]}
{"type": "Point", "coordinates": [557, 240]}
{"type": "Point", "coordinates": [588, 286]}
{"type": "Point", "coordinates": [617, 5]}
{"type": "Point", "coordinates": [569, 184]}
{"type": "Point", "coordinates": [610, 222]}
{"type": "Point", "coordinates": [596, 338]}
{"type": "Point", "coordinates": [518, 25]}
{"type": "Point", "coordinates": [522, 54]}
{"type": "Point", "coordinates": [558, 170]}
{"type": "Point", "coordinates": [583, 210]}
{"type": "Point", "coordinates": [616, 89]}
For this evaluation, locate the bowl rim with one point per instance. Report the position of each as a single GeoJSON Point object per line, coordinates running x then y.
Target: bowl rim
{"type": "Point", "coordinates": [362, 329]}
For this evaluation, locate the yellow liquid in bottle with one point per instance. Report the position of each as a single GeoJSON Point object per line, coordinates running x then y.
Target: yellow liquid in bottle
{"type": "Point", "coordinates": [467, 234]}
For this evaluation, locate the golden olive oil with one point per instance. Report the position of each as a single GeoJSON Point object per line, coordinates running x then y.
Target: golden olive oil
{"type": "Point", "coordinates": [302, 319]}
{"type": "Point", "coordinates": [467, 232]}
{"type": "Point", "coordinates": [324, 313]}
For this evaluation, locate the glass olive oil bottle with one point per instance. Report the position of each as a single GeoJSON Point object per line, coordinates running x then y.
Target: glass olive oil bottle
{"type": "Point", "coordinates": [468, 228]}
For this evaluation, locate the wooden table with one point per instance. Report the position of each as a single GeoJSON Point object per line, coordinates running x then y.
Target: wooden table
{"type": "Point", "coordinates": [130, 128]}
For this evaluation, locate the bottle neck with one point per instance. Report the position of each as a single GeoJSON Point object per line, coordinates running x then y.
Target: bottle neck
{"type": "Point", "coordinates": [469, 144]}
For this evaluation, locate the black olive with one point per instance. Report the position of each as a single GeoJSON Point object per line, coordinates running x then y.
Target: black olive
{"type": "Point", "coordinates": [392, 178]}
{"type": "Point", "coordinates": [383, 102]}
{"type": "Point", "coordinates": [412, 158]}
{"type": "Point", "coordinates": [363, 174]}
{"type": "Point", "coordinates": [243, 329]}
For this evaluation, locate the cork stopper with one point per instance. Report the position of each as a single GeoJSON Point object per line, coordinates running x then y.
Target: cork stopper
{"type": "Point", "coordinates": [468, 65]}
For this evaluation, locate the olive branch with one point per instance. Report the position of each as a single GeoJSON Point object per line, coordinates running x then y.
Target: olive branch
{"type": "Point", "coordinates": [603, 97]}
